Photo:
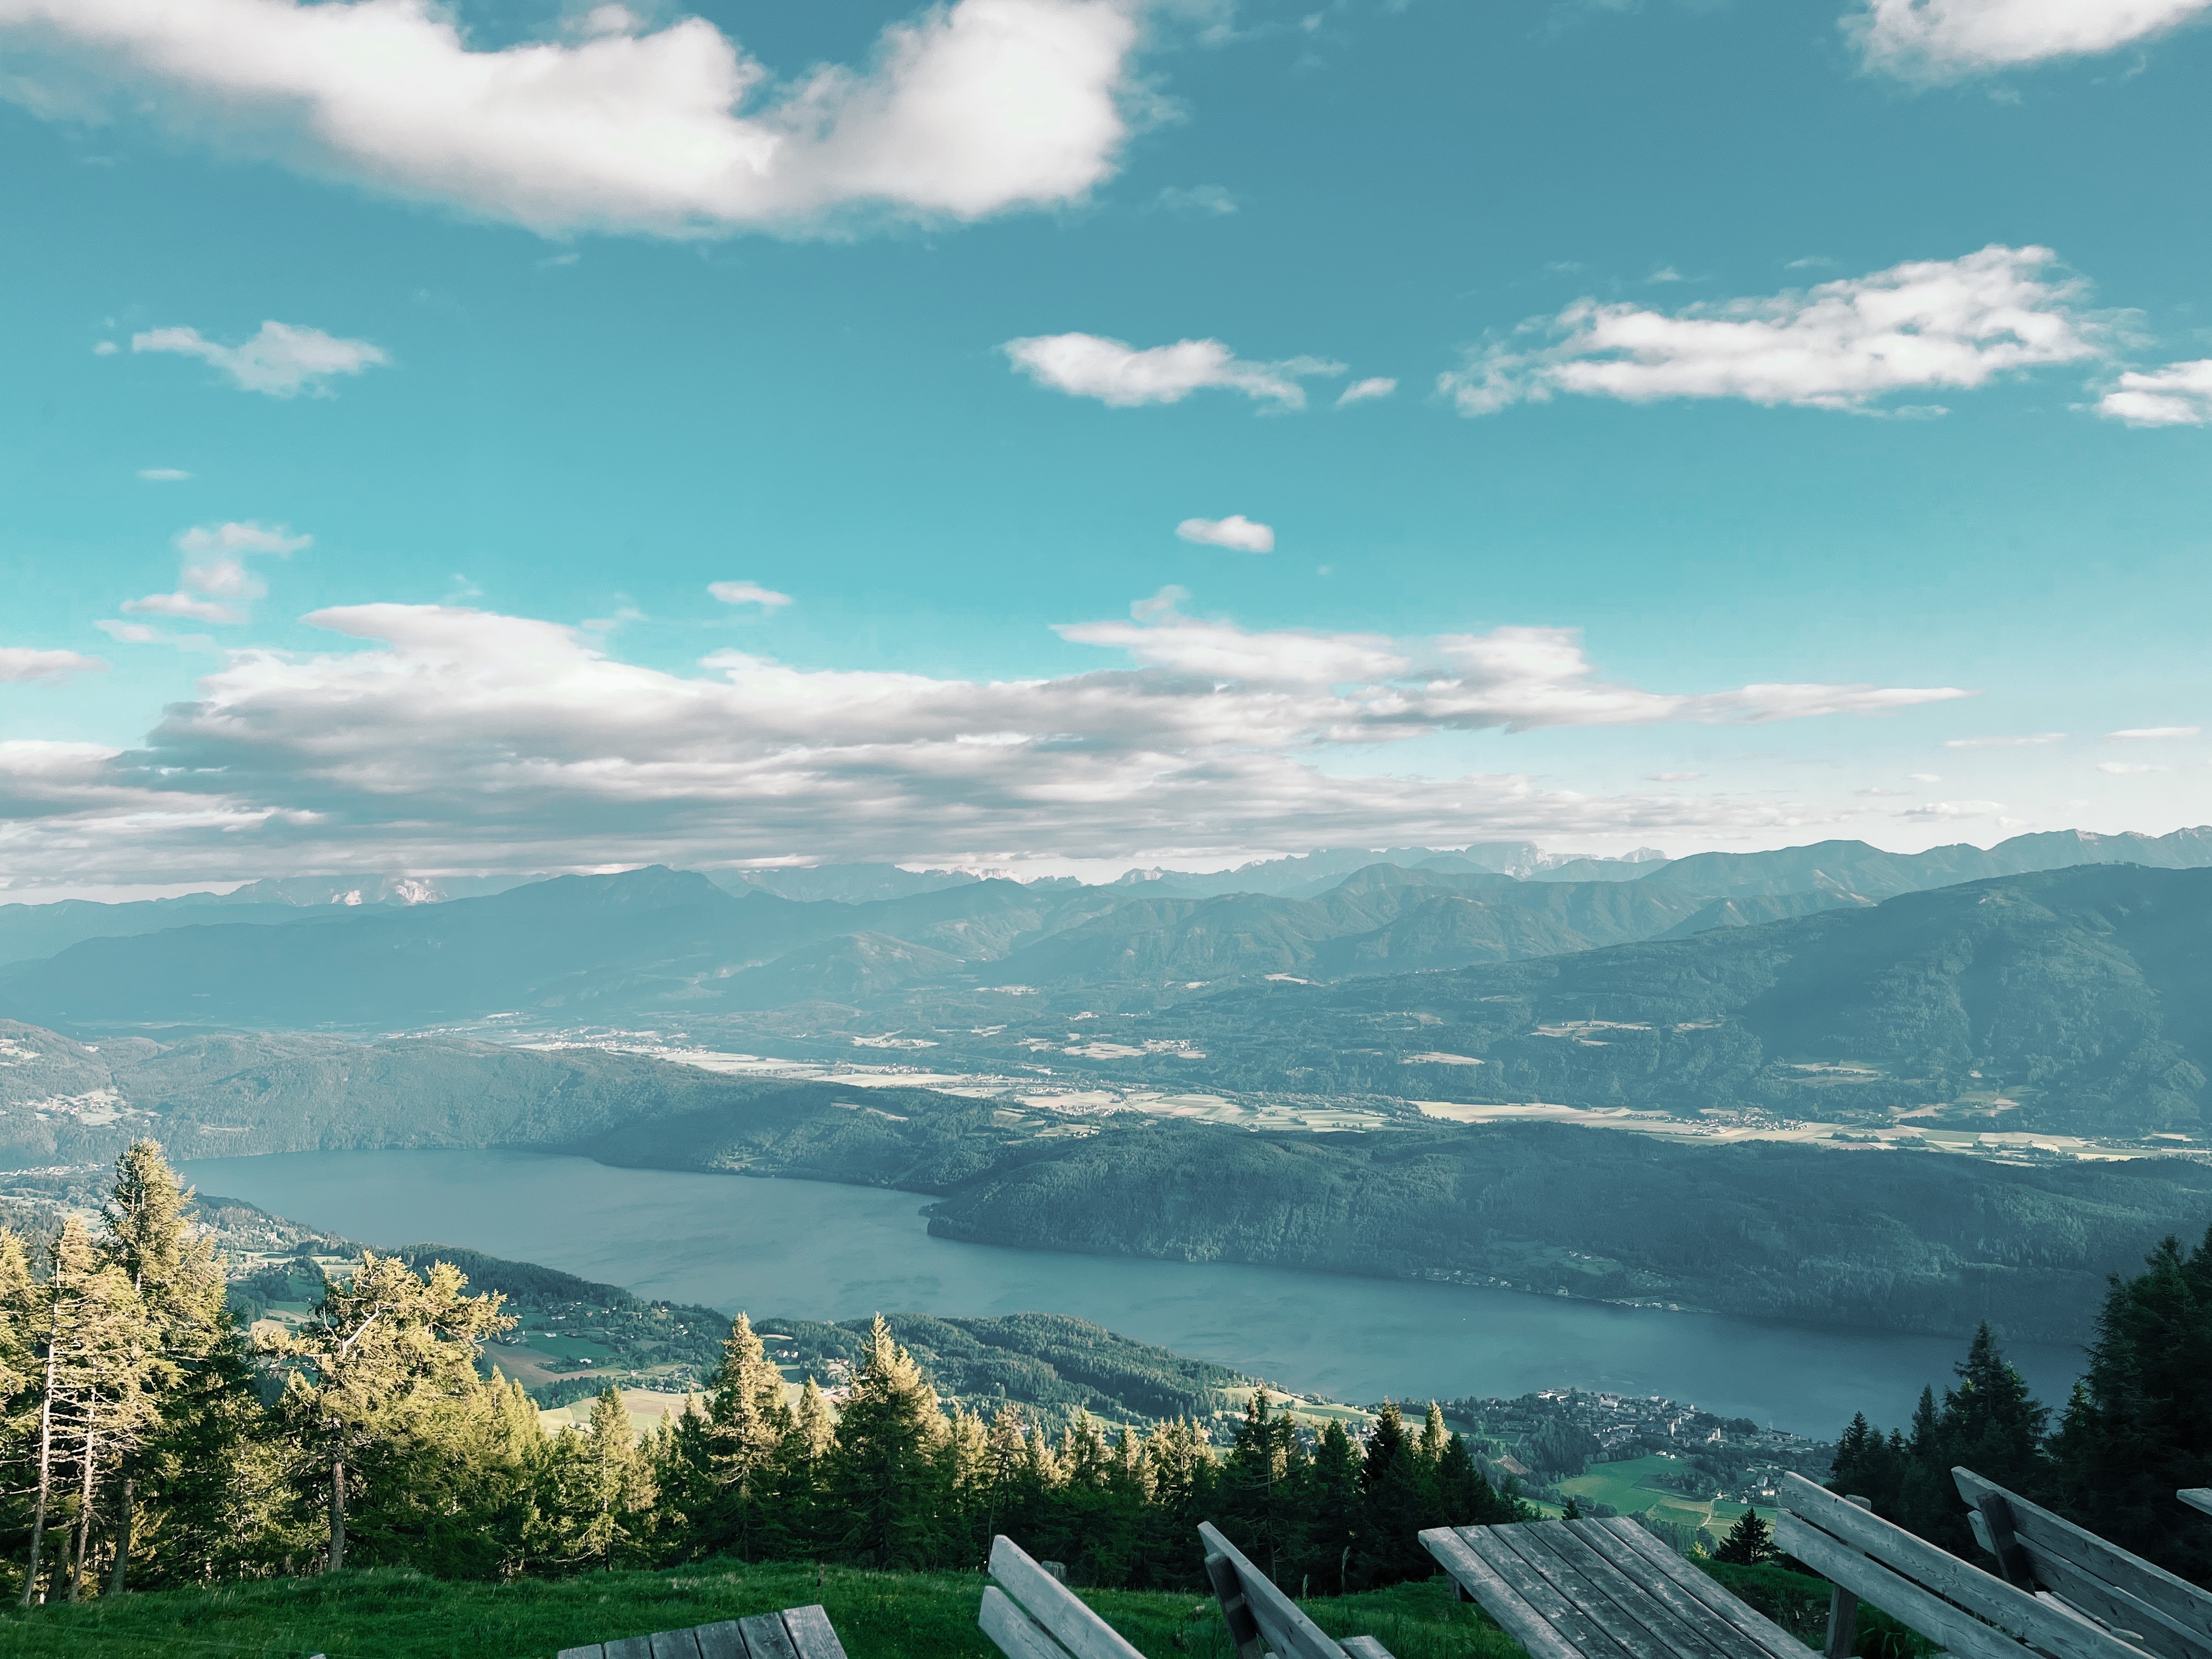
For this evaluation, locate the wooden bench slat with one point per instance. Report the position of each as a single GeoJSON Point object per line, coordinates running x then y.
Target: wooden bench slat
{"type": "Point", "coordinates": [1016, 1634]}
{"type": "Point", "coordinates": [1687, 1636]}
{"type": "Point", "coordinates": [2038, 1529]}
{"type": "Point", "coordinates": [1052, 1604]}
{"type": "Point", "coordinates": [2115, 1606]}
{"type": "Point", "coordinates": [1738, 1613]}
{"type": "Point", "coordinates": [813, 1636]}
{"type": "Point", "coordinates": [765, 1637]}
{"type": "Point", "coordinates": [1577, 1623]}
{"type": "Point", "coordinates": [1600, 1593]}
{"type": "Point", "coordinates": [1719, 1633]}
{"type": "Point", "coordinates": [674, 1644]}
{"type": "Point", "coordinates": [1513, 1612]}
{"type": "Point", "coordinates": [630, 1647]}
{"type": "Point", "coordinates": [2197, 1497]}
{"type": "Point", "coordinates": [1288, 1630]}
{"type": "Point", "coordinates": [721, 1641]}
{"type": "Point", "coordinates": [1958, 1631]}
{"type": "Point", "coordinates": [592, 1651]}
{"type": "Point", "coordinates": [1364, 1647]}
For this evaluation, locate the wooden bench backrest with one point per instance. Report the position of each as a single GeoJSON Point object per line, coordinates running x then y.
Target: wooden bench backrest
{"type": "Point", "coordinates": [2036, 1549]}
{"type": "Point", "coordinates": [1928, 1588]}
{"type": "Point", "coordinates": [1261, 1618]}
{"type": "Point", "coordinates": [1035, 1616]}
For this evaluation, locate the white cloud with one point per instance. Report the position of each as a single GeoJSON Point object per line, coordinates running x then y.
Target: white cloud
{"type": "Point", "coordinates": [282, 360]}
{"type": "Point", "coordinates": [2030, 742]}
{"type": "Point", "coordinates": [2129, 769]}
{"type": "Point", "coordinates": [1367, 391]}
{"type": "Point", "coordinates": [204, 586]}
{"type": "Point", "coordinates": [1954, 323]}
{"type": "Point", "coordinates": [2180, 394]}
{"type": "Point", "coordinates": [1925, 777]}
{"type": "Point", "coordinates": [1118, 374]}
{"type": "Point", "coordinates": [248, 536]}
{"type": "Point", "coordinates": [1941, 39]}
{"type": "Point", "coordinates": [1672, 777]}
{"type": "Point", "coordinates": [1196, 201]}
{"type": "Point", "coordinates": [748, 594]}
{"type": "Point", "coordinates": [453, 737]}
{"type": "Point", "coordinates": [967, 110]}
{"type": "Point", "coordinates": [106, 348]}
{"type": "Point", "coordinates": [19, 663]}
{"type": "Point", "coordinates": [2151, 734]}
{"type": "Point", "coordinates": [1236, 531]}
{"type": "Point", "coordinates": [1953, 809]}
{"type": "Point", "coordinates": [163, 474]}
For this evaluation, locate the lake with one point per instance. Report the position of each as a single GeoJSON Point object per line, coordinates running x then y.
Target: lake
{"type": "Point", "coordinates": [812, 1251]}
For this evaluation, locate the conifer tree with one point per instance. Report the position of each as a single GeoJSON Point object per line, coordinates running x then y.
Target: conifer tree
{"type": "Point", "coordinates": [622, 1484]}
{"type": "Point", "coordinates": [1433, 1436]}
{"type": "Point", "coordinates": [385, 1355]}
{"type": "Point", "coordinates": [1334, 1531]}
{"type": "Point", "coordinates": [1394, 1504]}
{"type": "Point", "coordinates": [1749, 1542]}
{"type": "Point", "coordinates": [884, 1465]}
{"type": "Point", "coordinates": [747, 1424]}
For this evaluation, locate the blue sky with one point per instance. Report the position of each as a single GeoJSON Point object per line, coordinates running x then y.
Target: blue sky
{"type": "Point", "coordinates": [1796, 426]}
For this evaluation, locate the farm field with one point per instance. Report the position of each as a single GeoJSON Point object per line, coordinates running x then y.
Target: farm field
{"type": "Point", "coordinates": [1632, 1487]}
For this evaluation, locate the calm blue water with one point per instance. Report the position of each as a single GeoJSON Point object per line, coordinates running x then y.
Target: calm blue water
{"type": "Point", "coordinates": [816, 1251]}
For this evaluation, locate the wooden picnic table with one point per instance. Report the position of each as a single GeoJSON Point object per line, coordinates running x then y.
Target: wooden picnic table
{"type": "Point", "coordinates": [1602, 1589]}
{"type": "Point", "coordinates": [793, 1633]}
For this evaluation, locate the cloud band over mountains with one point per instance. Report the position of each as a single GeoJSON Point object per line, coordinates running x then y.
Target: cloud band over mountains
{"type": "Point", "coordinates": [465, 738]}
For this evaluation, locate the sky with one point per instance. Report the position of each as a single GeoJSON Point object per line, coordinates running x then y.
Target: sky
{"type": "Point", "coordinates": [1063, 434]}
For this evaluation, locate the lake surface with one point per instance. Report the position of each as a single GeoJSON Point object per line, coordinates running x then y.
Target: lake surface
{"type": "Point", "coordinates": [811, 1250]}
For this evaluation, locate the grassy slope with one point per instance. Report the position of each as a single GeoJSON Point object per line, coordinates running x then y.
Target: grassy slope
{"type": "Point", "coordinates": [388, 1614]}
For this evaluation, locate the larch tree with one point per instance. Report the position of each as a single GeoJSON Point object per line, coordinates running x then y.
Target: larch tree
{"type": "Point", "coordinates": [383, 1352]}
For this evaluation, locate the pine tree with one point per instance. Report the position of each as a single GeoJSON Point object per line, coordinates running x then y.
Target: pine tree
{"type": "Point", "coordinates": [746, 1423]}
{"type": "Point", "coordinates": [883, 1466]}
{"type": "Point", "coordinates": [1333, 1533]}
{"type": "Point", "coordinates": [620, 1482]}
{"type": "Point", "coordinates": [1749, 1542]}
{"type": "Point", "coordinates": [383, 1359]}
{"type": "Point", "coordinates": [1464, 1494]}
{"type": "Point", "coordinates": [1395, 1505]}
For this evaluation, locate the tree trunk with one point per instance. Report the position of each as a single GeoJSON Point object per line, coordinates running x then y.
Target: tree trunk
{"type": "Point", "coordinates": [83, 1518]}
{"type": "Point", "coordinates": [45, 1460]}
{"type": "Point", "coordinates": [337, 1514]}
{"type": "Point", "coordinates": [115, 1581]}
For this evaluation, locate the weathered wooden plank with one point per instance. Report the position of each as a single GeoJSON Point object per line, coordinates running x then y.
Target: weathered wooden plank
{"type": "Point", "coordinates": [2197, 1497]}
{"type": "Point", "coordinates": [1054, 1605]}
{"type": "Point", "coordinates": [1013, 1632]}
{"type": "Point", "coordinates": [1718, 1634]}
{"type": "Point", "coordinates": [1779, 1642]}
{"type": "Point", "coordinates": [594, 1650]}
{"type": "Point", "coordinates": [2010, 1608]}
{"type": "Point", "coordinates": [2133, 1621]}
{"type": "Point", "coordinates": [1607, 1597]}
{"type": "Point", "coordinates": [1365, 1647]}
{"type": "Point", "coordinates": [1288, 1630]}
{"type": "Point", "coordinates": [630, 1647]}
{"type": "Point", "coordinates": [674, 1644]}
{"type": "Point", "coordinates": [721, 1641]}
{"type": "Point", "coordinates": [1679, 1625]}
{"type": "Point", "coordinates": [813, 1636]}
{"type": "Point", "coordinates": [1244, 1633]}
{"type": "Point", "coordinates": [1542, 1639]}
{"type": "Point", "coordinates": [2040, 1531]}
{"type": "Point", "coordinates": [1570, 1620]}
{"type": "Point", "coordinates": [765, 1637]}
{"type": "Point", "coordinates": [1920, 1609]}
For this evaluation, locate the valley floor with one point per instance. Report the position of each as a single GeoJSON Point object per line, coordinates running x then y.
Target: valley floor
{"type": "Point", "coordinates": [392, 1614]}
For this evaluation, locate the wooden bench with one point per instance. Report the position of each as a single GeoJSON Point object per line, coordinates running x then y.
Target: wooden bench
{"type": "Point", "coordinates": [794, 1633]}
{"type": "Point", "coordinates": [1602, 1589]}
{"type": "Point", "coordinates": [1261, 1619]}
{"type": "Point", "coordinates": [2197, 1497]}
{"type": "Point", "coordinates": [2036, 1550]}
{"type": "Point", "coordinates": [1030, 1614]}
{"type": "Point", "coordinates": [1971, 1613]}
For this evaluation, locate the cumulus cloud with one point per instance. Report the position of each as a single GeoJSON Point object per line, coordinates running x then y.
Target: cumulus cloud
{"type": "Point", "coordinates": [748, 594]}
{"type": "Point", "coordinates": [967, 110]}
{"type": "Point", "coordinates": [2180, 394]}
{"type": "Point", "coordinates": [1943, 40]}
{"type": "Point", "coordinates": [2030, 742]}
{"type": "Point", "coordinates": [1845, 345]}
{"type": "Point", "coordinates": [459, 735]}
{"type": "Point", "coordinates": [1953, 809]}
{"type": "Point", "coordinates": [1236, 531]}
{"type": "Point", "coordinates": [163, 474]}
{"type": "Point", "coordinates": [218, 588]}
{"type": "Point", "coordinates": [282, 360]}
{"type": "Point", "coordinates": [2150, 733]}
{"type": "Point", "coordinates": [1117, 374]}
{"type": "Point", "coordinates": [19, 663]}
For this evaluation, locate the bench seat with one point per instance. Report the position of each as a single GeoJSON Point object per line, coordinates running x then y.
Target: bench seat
{"type": "Point", "coordinates": [793, 1633]}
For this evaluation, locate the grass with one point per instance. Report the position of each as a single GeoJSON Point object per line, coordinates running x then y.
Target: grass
{"type": "Point", "coordinates": [389, 1614]}
{"type": "Point", "coordinates": [1624, 1485]}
